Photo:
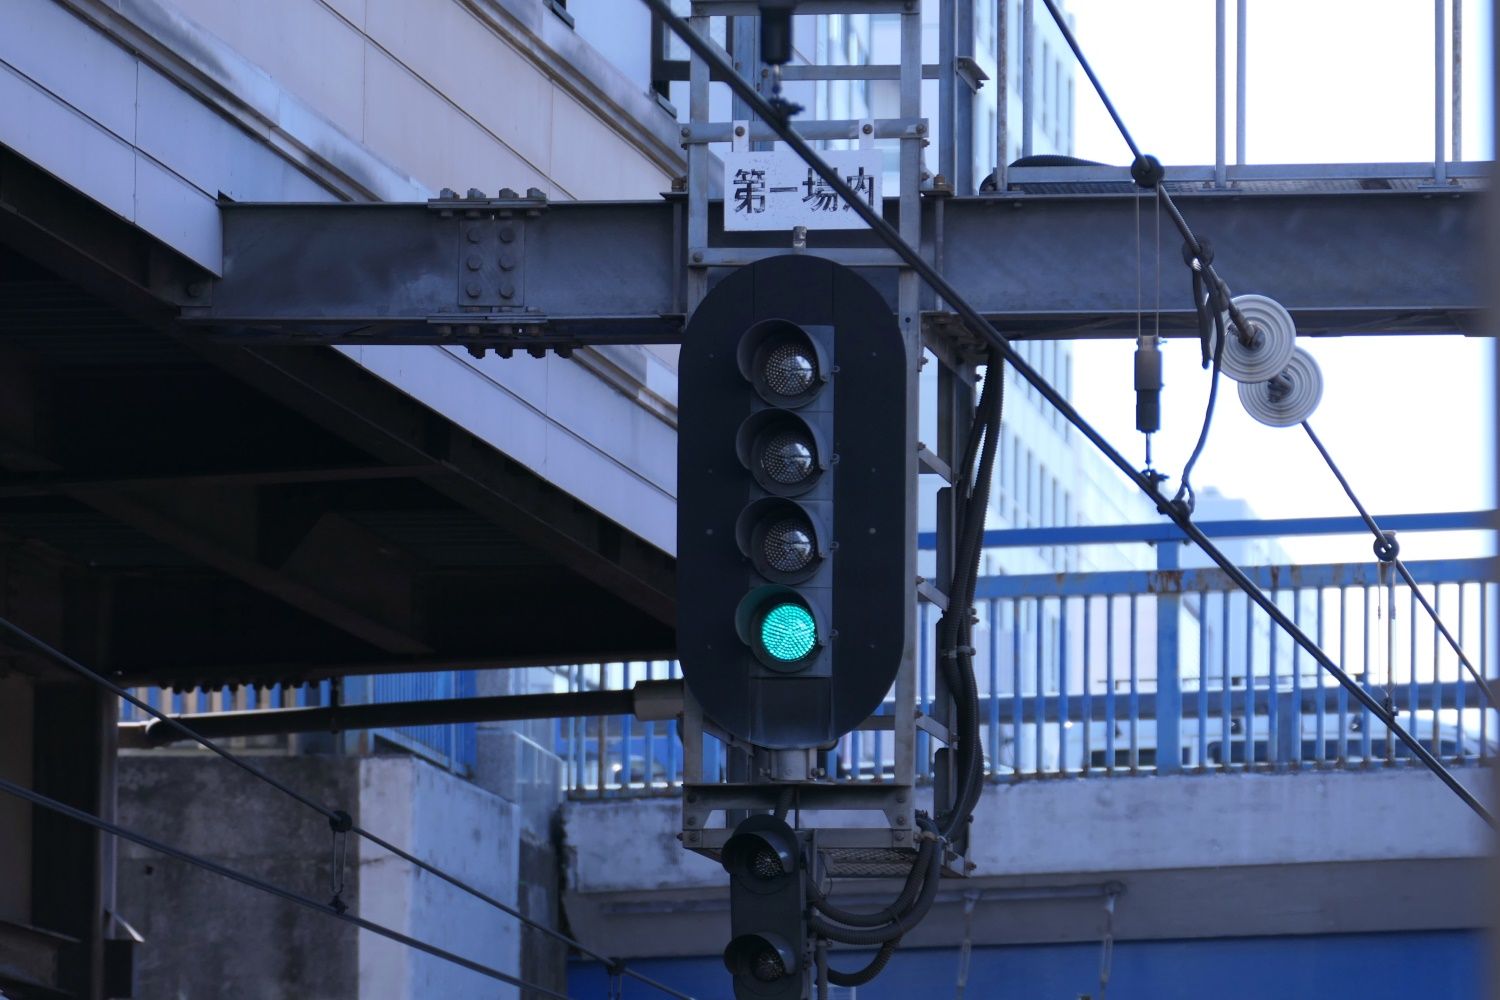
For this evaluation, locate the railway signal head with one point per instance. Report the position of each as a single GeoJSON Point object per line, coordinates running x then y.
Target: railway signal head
{"type": "Point", "coordinates": [796, 513]}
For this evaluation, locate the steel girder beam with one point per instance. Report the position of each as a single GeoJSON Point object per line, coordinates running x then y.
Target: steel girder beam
{"type": "Point", "coordinates": [523, 274]}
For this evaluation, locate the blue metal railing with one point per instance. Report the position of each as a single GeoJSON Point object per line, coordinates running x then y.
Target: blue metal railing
{"type": "Point", "coordinates": [1127, 671]}
{"type": "Point", "coordinates": [452, 745]}
{"type": "Point", "coordinates": [1158, 671]}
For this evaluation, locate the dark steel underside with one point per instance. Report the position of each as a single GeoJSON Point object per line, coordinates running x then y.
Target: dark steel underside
{"type": "Point", "coordinates": [267, 514]}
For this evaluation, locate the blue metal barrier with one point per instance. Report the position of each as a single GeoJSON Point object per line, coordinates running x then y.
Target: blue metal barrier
{"type": "Point", "coordinates": [1097, 674]}
{"type": "Point", "coordinates": [1161, 670]}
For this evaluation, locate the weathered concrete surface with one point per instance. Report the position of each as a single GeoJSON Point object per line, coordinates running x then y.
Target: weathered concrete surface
{"type": "Point", "coordinates": [1198, 856]}
{"type": "Point", "coordinates": [467, 832]}
{"type": "Point", "coordinates": [514, 762]}
{"type": "Point", "coordinates": [207, 937]}
{"type": "Point", "coordinates": [210, 938]}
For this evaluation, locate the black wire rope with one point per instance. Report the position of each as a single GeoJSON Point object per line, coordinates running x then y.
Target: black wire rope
{"type": "Point", "coordinates": [334, 816]}
{"type": "Point", "coordinates": [977, 324]}
{"type": "Point", "coordinates": [1109, 105]}
{"type": "Point", "coordinates": [1387, 550]}
{"type": "Point", "coordinates": [1135, 151]}
{"type": "Point", "coordinates": [89, 819]}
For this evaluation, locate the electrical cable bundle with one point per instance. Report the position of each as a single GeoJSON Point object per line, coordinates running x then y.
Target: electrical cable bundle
{"type": "Point", "coordinates": [886, 926]}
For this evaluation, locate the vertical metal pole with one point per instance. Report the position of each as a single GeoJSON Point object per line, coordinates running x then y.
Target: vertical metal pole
{"type": "Point", "coordinates": [1292, 710]}
{"type": "Point", "coordinates": [1002, 93]}
{"type": "Point", "coordinates": [1226, 684]}
{"type": "Point", "coordinates": [698, 162]}
{"type": "Point", "coordinates": [1239, 87]}
{"type": "Point", "coordinates": [1343, 695]}
{"type": "Point", "coordinates": [744, 39]}
{"type": "Point", "coordinates": [1439, 94]}
{"type": "Point", "coordinates": [963, 108]}
{"type": "Point", "coordinates": [1018, 713]}
{"type": "Point", "coordinates": [1039, 698]}
{"type": "Point", "coordinates": [1062, 685]}
{"type": "Point", "coordinates": [1168, 673]}
{"type": "Point", "coordinates": [947, 84]}
{"type": "Point", "coordinates": [994, 707]}
{"type": "Point", "coordinates": [1086, 712]}
{"type": "Point", "coordinates": [1458, 81]}
{"type": "Point", "coordinates": [1220, 97]}
{"type": "Point", "coordinates": [908, 305]}
{"type": "Point", "coordinates": [1202, 751]}
{"type": "Point", "coordinates": [1273, 691]}
{"type": "Point", "coordinates": [1109, 683]}
{"type": "Point", "coordinates": [1028, 44]}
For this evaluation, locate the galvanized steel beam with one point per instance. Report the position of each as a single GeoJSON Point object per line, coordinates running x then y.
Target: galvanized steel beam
{"type": "Point", "coordinates": [520, 274]}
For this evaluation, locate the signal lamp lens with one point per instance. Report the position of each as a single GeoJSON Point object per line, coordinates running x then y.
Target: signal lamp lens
{"type": "Point", "coordinates": [788, 632]}
{"type": "Point", "coordinates": [787, 457]}
{"type": "Point", "coordinates": [766, 864]}
{"type": "Point", "coordinates": [768, 966]}
{"type": "Point", "coordinates": [790, 370]}
{"type": "Point", "coordinates": [788, 545]}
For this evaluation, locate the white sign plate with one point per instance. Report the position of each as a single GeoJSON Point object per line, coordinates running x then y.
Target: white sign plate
{"type": "Point", "coordinates": [777, 190]}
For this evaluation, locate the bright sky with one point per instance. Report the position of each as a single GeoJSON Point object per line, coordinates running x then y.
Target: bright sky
{"type": "Point", "coordinates": [1409, 420]}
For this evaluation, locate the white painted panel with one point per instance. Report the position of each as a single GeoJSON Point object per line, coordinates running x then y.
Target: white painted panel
{"type": "Point", "coordinates": [584, 162]}
{"type": "Point", "coordinates": [522, 375]}
{"type": "Point", "coordinates": [610, 488]}
{"type": "Point", "coordinates": [411, 125]}
{"type": "Point", "coordinates": [204, 147]}
{"type": "Point", "coordinates": [443, 382]}
{"type": "Point", "coordinates": [301, 44]}
{"type": "Point", "coordinates": [178, 214]}
{"type": "Point", "coordinates": [63, 55]}
{"type": "Point", "coordinates": [75, 149]}
{"type": "Point", "coordinates": [352, 11]}
{"type": "Point", "coordinates": [460, 57]}
{"type": "Point", "coordinates": [775, 189]}
{"type": "Point", "coordinates": [616, 426]}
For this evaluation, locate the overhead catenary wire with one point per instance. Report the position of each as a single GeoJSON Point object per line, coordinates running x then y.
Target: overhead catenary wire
{"type": "Point", "coordinates": [977, 324]}
{"type": "Point", "coordinates": [1140, 159]}
{"type": "Point", "coordinates": [114, 829]}
{"type": "Point", "coordinates": [336, 818]}
{"type": "Point", "coordinates": [1386, 550]}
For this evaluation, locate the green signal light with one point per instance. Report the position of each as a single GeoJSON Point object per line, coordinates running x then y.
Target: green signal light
{"type": "Point", "coordinates": [788, 632]}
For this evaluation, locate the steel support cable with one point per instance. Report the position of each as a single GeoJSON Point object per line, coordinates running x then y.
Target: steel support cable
{"type": "Point", "coordinates": [89, 819]}
{"type": "Point", "coordinates": [1135, 151]}
{"type": "Point", "coordinates": [334, 816]}
{"type": "Point", "coordinates": [1386, 550]}
{"type": "Point", "coordinates": [981, 326]}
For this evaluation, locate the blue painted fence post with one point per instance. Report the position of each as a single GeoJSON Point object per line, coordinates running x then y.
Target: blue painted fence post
{"type": "Point", "coordinates": [1168, 674]}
